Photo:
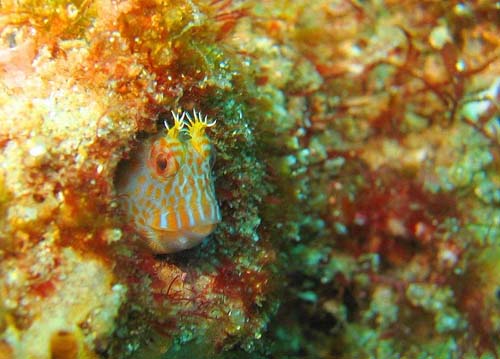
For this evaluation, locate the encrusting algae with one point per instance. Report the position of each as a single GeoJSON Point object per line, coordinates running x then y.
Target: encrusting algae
{"type": "Point", "coordinates": [353, 210]}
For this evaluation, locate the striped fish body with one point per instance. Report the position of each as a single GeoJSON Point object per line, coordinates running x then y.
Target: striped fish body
{"type": "Point", "coordinates": [168, 190]}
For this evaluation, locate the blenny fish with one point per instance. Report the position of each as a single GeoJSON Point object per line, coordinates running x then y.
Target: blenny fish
{"type": "Point", "coordinates": [167, 188]}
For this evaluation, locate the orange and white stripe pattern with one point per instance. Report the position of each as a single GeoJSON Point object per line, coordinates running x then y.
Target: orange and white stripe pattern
{"type": "Point", "coordinates": [168, 191]}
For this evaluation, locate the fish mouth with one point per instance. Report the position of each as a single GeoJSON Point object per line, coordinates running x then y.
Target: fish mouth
{"type": "Point", "coordinates": [193, 232]}
{"type": "Point", "coordinates": [191, 236]}
{"type": "Point", "coordinates": [175, 231]}
{"type": "Point", "coordinates": [199, 231]}
{"type": "Point", "coordinates": [165, 241]}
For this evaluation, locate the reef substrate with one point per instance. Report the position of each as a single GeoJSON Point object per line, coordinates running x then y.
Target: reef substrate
{"type": "Point", "coordinates": [357, 174]}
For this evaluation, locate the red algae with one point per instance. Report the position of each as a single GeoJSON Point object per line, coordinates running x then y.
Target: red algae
{"type": "Point", "coordinates": [390, 204]}
{"type": "Point", "coordinates": [43, 289]}
{"type": "Point", "coordinates": [247, 286]}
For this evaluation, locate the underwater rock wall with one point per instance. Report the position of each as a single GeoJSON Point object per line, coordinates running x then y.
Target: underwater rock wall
{"type": "Point", "coordinates": [357, 148]}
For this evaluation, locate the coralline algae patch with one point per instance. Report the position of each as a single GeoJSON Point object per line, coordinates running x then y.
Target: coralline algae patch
{"type": "Point", "coordinates": [57, 297]}
{"type": "Point", "coordinates": [67, 295]}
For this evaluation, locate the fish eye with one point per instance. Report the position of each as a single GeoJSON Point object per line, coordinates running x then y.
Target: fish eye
{"type": "Point", "coordinates": [165, 164]}
{"type": "Point", "coordinates": [162, 161]}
